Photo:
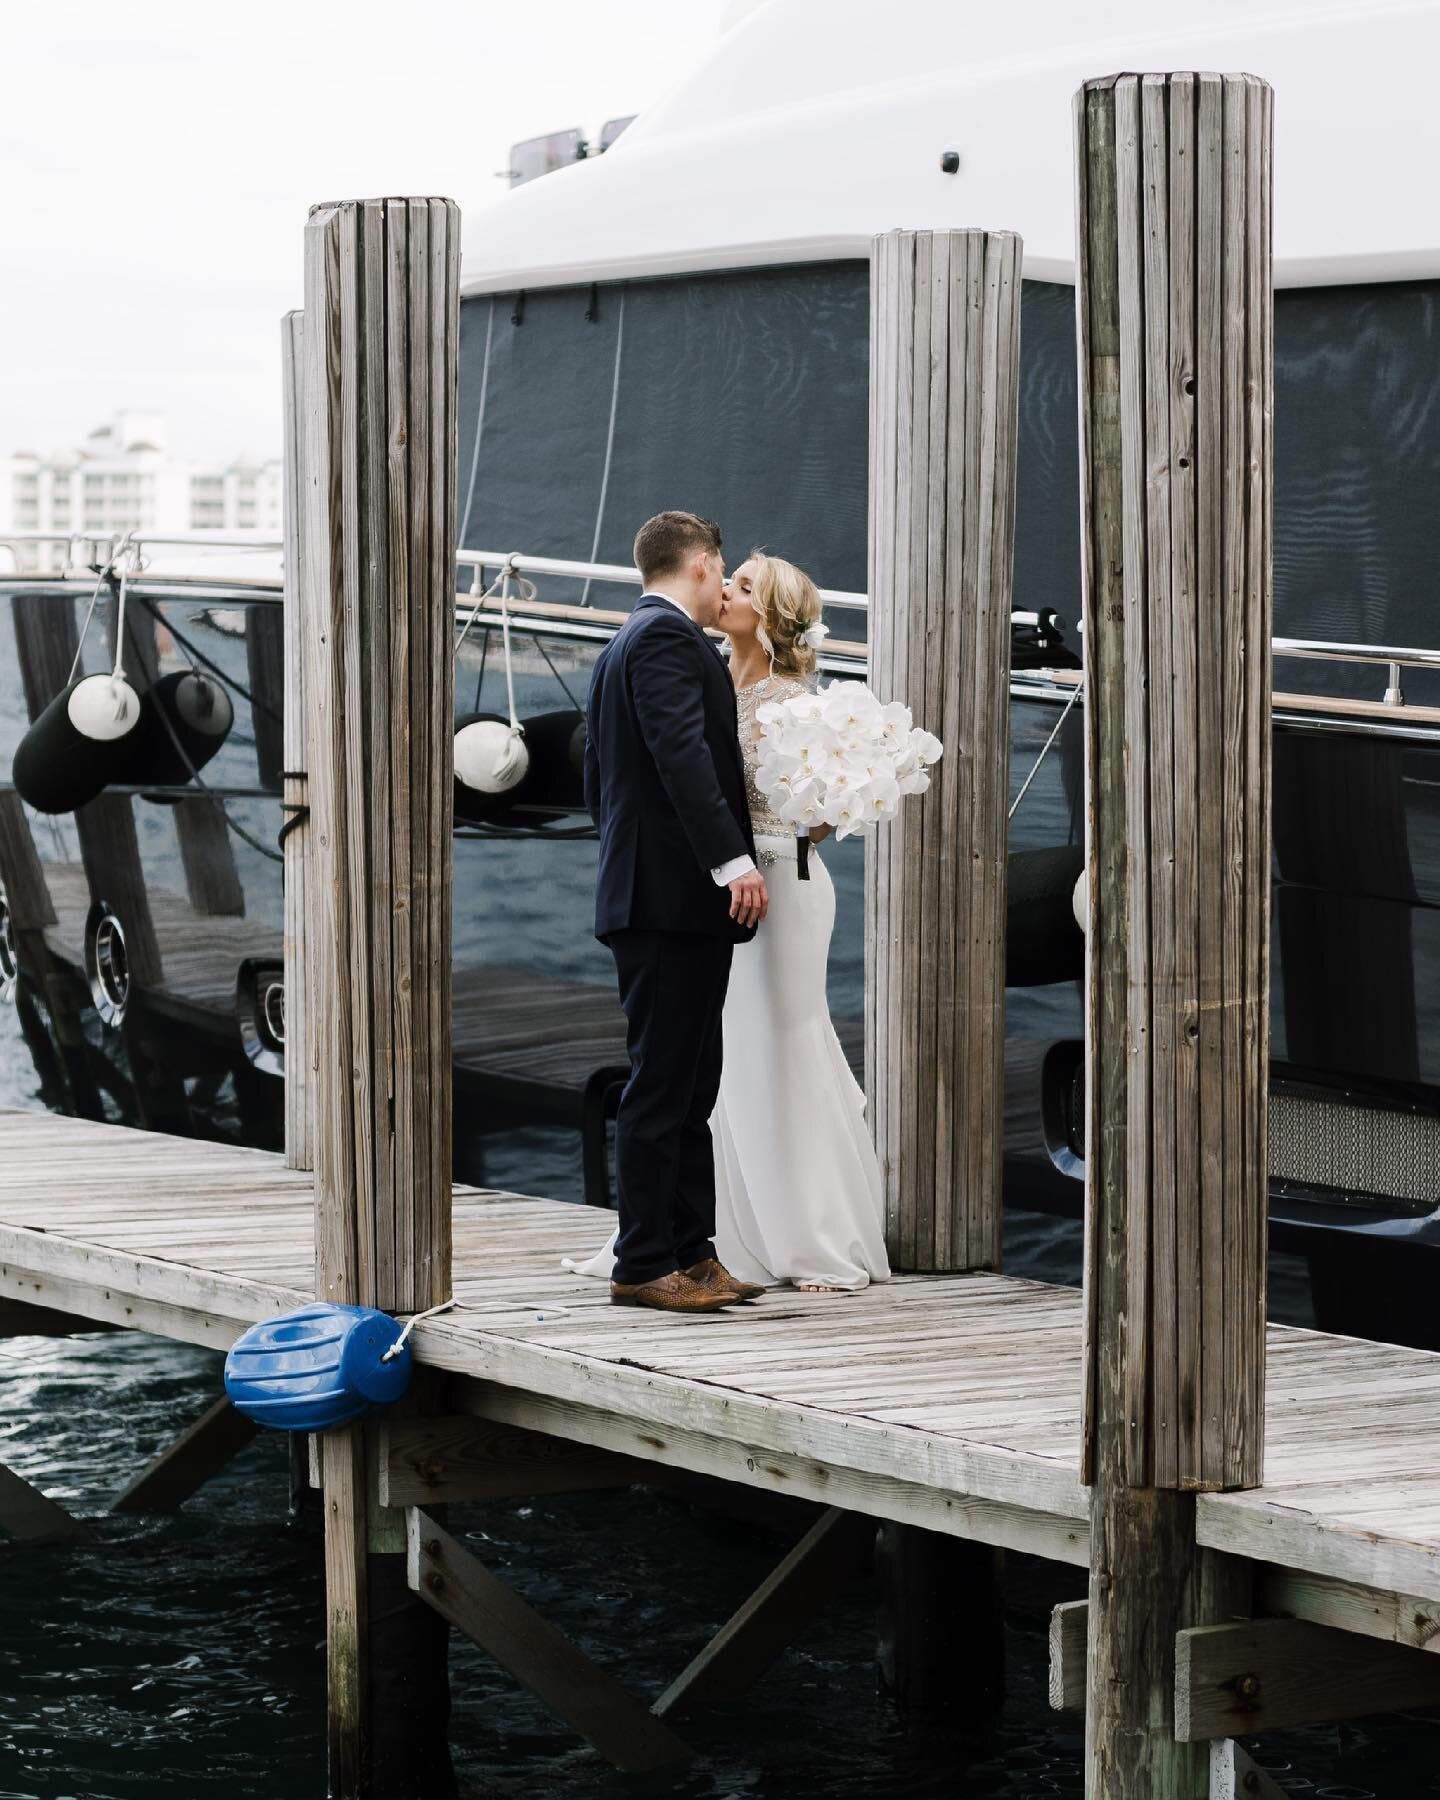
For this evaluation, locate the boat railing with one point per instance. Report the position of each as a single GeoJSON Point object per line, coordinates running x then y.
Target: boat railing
{"type": "Point", "coordinates": [498, 560]}
{"type": "Point", "coordinates": [88, 551]}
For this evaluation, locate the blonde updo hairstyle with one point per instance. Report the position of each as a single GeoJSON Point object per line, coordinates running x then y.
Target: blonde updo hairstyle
{"type": "Point", "coordinates": [788, 603]}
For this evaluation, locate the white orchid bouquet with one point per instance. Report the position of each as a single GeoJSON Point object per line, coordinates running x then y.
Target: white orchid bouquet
{"type": "Point", "coordinates": [840, 757]}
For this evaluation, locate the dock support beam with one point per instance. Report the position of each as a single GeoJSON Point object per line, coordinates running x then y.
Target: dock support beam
{"type": "Point", "coordinates": [187, 1463]}
{"type": "Point", "coordinates": [1174, 311]}
{"type": "Point", "coordinates": [942, 1630]}
{"type": "Point", "coordinates": [944, 399]}
{"type": "Point", "coordinates": [378, 502]}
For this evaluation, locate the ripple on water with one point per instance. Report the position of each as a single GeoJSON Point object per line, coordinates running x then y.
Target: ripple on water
{"type": "Point", "coordinates": [173, 1656]}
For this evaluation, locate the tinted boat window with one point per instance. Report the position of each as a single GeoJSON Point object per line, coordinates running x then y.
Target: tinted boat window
{"type": "Point", "coordinates": [744, 395]}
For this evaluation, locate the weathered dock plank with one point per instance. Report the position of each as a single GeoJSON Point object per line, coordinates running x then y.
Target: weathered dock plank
{"type": "Point", "coordinates": [947, 1401]}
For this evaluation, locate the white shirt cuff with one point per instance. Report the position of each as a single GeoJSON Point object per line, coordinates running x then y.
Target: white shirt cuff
{"type": "Point", "coordinates": [732, 870]}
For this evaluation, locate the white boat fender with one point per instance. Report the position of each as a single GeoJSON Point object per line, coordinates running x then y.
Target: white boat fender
{"type": "Point", "coordinates": [490, 756]}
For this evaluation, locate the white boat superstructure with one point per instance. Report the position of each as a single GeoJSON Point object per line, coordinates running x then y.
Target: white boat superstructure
{"type": "Point", "coordinates": [814, 124]}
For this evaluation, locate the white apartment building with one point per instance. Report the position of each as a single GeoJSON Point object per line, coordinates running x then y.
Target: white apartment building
{"type": "Point", "coordinates": [123, 478]}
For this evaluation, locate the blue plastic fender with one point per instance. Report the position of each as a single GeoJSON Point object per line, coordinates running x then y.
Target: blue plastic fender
{"type": "Point", "coordinates": [319, 1366]}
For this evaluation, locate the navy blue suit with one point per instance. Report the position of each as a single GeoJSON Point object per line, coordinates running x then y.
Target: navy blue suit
{"type": "Point", "coordinates": [665, 785]}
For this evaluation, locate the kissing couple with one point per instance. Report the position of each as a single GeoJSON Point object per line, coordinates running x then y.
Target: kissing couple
{"type": "Point", "coordinates": [742, 1159]}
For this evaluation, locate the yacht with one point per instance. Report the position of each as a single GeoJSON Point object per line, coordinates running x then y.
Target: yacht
{"type": "Point", "coordinates": [683, 320]}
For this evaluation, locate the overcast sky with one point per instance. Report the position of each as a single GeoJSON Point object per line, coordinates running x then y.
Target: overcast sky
{"type": "Point", "coordinates": [159, 158]}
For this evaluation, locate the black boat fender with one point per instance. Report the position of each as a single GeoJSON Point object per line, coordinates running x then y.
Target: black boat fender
{"type": "Point", "coordinates": [1043, 942]}
{"type": "Point", "coordinates": [184, 719]}
{"type": "Point", "coordinates": [77, 744]}
{"type": "Point", "coordinates": [547, 774]}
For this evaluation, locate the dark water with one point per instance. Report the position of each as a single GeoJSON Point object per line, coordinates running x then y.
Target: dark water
{"type": "Point", "coordinates": [181, 1656]}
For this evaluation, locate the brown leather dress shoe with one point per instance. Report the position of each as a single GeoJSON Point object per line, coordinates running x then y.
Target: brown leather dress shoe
{"type": "Point", "coordinates": [670, 1293]}
{"type": "Point", "coordinates": [718, 1279]}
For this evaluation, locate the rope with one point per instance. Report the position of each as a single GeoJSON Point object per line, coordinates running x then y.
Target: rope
{"type": "Point", "coordinates": [609, 447]}
{"type": "Point", "coordinates": [527, 592]}
{"type": "Point", "coordinates": [215, 799]}
{"type": "Point", "coordinates": [516, 728]}
{"type": "Point", "coordinates": [415, 1319]}
{"type": "Point", "coordinates": [119, 669]}
{"type": "Point", "coordinates": [479, 424]}
{"type": "Point", "coordinates": [556, 673]}
{"type": "Point", "coordinates": [1045, 751]}
{"type": "Point", "coordinates": [480, 678]}
{"type": "Point", "coordinates": [220, 674]}
{"type": "Point", "coordinates": [100, 581]}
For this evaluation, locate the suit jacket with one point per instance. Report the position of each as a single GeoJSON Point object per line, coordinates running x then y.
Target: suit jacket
{"type": "Point", "coordinates": [664, 777]}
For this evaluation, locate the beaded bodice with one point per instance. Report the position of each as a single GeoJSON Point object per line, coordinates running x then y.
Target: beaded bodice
{"type": "Point", "coordinates": [748, 701]}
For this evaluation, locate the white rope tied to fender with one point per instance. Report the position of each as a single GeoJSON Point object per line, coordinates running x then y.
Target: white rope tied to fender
{"type": "Point", "coordinates": [414, 1320]}
{"type": "Point", "coordinates": [499, 589]}
{"type": "Point", "coordinates": [128, 551]}
{"type": "Point", "coordinates": [516, 728]}
{"type": "Point", "coordinates": [119, 669]}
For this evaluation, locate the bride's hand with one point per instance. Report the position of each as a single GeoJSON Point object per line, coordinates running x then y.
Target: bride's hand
{"type": "Point", "coordinates": [819, 833]}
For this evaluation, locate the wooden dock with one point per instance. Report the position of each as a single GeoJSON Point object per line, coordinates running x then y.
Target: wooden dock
{"type": "Point", "coordinates": [1259, 1509]}
{"type": "Point", "coordinates": [951, 1402]}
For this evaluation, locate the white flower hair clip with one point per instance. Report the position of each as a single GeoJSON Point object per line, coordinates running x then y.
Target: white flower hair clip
{"type": "Point", "coordinates": [815, 635]}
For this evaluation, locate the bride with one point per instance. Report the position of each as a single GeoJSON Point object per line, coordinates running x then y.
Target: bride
{"type": "Point", "coordinates": [797, 1186]}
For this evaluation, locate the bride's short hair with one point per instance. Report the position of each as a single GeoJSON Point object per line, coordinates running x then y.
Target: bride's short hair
{"type": "Point", "coordinates": [788, 603]}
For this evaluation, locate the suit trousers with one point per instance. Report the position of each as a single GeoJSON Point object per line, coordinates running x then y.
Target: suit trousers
{"type": "Point", "coordinates": [672, 989]}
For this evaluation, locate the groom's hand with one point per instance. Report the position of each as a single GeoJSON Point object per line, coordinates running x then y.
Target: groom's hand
{"type": "Point", "coordinates": [748, 900]}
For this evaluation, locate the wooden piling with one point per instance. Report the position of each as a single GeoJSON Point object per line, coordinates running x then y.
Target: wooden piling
{"type": "Point", "coordinates": [380, 364]}
{"type": "Point", "coordinates": [944, 394]}
{"type": "Point", "coordinates": [299, 997]}
{"type": "Point", "coordinates": [1174, 310]}
{"type": "Point", "coordinates": [944, 363]}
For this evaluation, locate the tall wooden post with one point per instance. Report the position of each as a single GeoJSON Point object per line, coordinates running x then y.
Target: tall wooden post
{"type": "Point", "coordinates": [299, 997]}
{"type": "Point", "coordinates": [380, 358]}
{"type": "Point", "coordinates": [944, 394]}
{"type": "Point", "coordinates": [944, 397]}
{"type": "Point", "coordinates": [1174, 304]}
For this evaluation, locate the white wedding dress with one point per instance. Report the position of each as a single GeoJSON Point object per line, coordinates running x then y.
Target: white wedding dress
{"type": "Point", "coordinates": [797, 1186]}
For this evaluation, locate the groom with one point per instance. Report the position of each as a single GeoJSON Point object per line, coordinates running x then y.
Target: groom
{"type": "Point", "coordinates": [677, 888]}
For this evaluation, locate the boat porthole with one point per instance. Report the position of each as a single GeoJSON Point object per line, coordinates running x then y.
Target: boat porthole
{"type": "Point", "coordinates": [9, 957]}
{"type": "Point", "coordinates": [272, 1013]}
{"type": "Point", "coordinates": [107, 965]}
{"type": "Point", "coordinates": [260, 1013]}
